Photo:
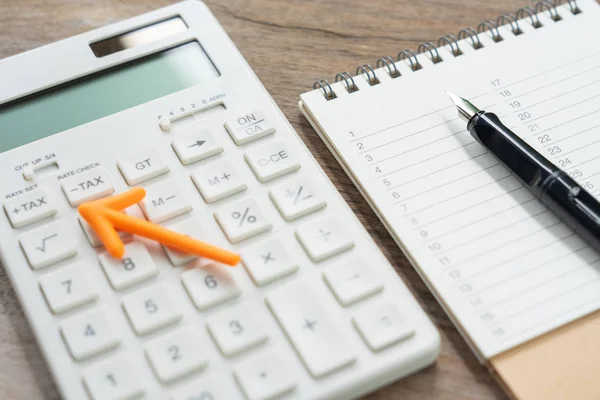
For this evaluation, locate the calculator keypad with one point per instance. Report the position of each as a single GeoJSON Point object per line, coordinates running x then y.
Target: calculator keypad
{"type": "Point", "coordinates": [29, 208]}
{"type": "Point", "coordinates": [48, 245]}
{"type": "Point", "coordinates": [240, 331]}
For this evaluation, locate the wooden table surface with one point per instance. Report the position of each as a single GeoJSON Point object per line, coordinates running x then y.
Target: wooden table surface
{"type": "Point", "coordinates": [289, 44]}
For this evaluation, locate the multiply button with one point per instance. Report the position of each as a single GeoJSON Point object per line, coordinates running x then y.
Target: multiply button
{"type": "Point", "coordinates": [248, 127]}
{"type": "Point", "coordinates": [29, 208]}
{"type": "Point", "coordinates": [268, 261]}
{"type": "Point", "coordinates": [89, 185]}
{"type": "Point", "coordinates": [142, 166]}
{"type": "Point", "coordinates": [271, 161]}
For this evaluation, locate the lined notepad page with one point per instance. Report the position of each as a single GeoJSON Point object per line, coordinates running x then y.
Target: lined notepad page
{"type": "Point", "coordinates": [505, 267]}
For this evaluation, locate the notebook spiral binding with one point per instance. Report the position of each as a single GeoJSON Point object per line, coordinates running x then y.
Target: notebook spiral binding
{"type": "Point", "coordinates": [448, 40]}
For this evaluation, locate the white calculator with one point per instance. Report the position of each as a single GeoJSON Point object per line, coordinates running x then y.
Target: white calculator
{"type": "Point", "coordinates": [166, 102]}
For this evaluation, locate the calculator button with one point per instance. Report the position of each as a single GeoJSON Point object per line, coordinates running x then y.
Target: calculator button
{"type": "Point", "coordinates": [248, 127]}
{"type": "Point", "coordinates": [67, 288]}
{"type": "Point", "coordinates": [268, 261]}
{"type": "Point", "coordinates": [176, 354]}
{"type": "Point", "coordinates": [116, 379]}
{"type": "Point", "coordinates": [89, 334]}
{"type": "Point", "coordinates": [164, 201]}
{"type": "Point", "coordinates": [271, 161]}
{"type": "Point", "coordinates": [217, 181]}
{"type": "Point", "coordinates": [211, 387]}
{"type": "Point", "coordinates": [91, 235]}
{"type": "Point", "coordinates": [314, 335]}
{"type": "Point", "coordinates": [87, 186]}
{"type": "Point", "coordinates": [196, 146]}
{"type": "Point", "coordinates": [142, 166]}
{"type": "Point", "coordinates": [242, 220]}
{"type": "Point", "coordinates": [191, 228]}
{"type": "Point", "coordinates": [381, 326]}
{"type": "Point", "coordinates": [323, 238]}
{"type": "Point", "coordinates": [150, 309]}
{"type": "Point", "coordinates": [207, 288]}
{"type": "Point", "coordinates": [236, 330]}
{"type": "Point", "coordinates": [352, 282]}
{"type": "Point", "coordinates": [264, 376]}
{"type": "Point", "coordinates": [296, 199]}
{"type": "Point", "coordinates": [135, 266]}
{"type": "Point", "coordinates": [29, 208]}
{"type": "Point", "coordinates": [48, 245]}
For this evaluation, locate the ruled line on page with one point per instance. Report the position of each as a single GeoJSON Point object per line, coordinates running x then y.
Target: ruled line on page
{"type": "Point", "coordinates": [570, 136]}
{"type": "Point", "coordinates": [563, 109]}
{"type": "Point", "coordinates": [566, 122]}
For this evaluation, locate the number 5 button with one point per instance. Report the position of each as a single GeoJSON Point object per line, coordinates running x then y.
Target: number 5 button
{"type": "Point", "coordinates": [150, 309]}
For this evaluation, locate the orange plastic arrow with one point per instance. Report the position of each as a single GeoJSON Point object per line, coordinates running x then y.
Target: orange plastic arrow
{"type": "Point", "coordinates": [105, 216]}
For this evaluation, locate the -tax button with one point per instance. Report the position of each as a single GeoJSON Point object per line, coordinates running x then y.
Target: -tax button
{"type": "Point", "coordinates": [142, 166]}
{"type": "Point", "coordinates": [89, 185]}
{"type": "Point", "coordinates": [29, 208]}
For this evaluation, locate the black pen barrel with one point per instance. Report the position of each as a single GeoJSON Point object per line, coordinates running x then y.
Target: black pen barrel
{"type": "Point", "coordinates": [577, 208]}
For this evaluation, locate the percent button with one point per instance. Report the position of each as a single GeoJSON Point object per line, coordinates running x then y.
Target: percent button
{"type": "Point", "coordinates": [242, 220]}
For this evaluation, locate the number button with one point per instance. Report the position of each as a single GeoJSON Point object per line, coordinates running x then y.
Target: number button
{"type": "Point", "coordinates": [115, 379]}
{"type": "Point", "coordinates": [150, 309]}
{"type": "Point", "coordinates": [164, 201]}
{"type": "Point", "coordinates": [196, 146]}
{"type": "Point", "coordinates": [212, 387]}
{"type": "Point", "coordinates": [217, 181]}
{"type": "Point", "coordinates": [176, 355]}
{"type": "Point", "coordinates": [264, 376]}
{"type": "Point", "coordinates": [87, 186]}
{"type": "Point", "coordinates": [89, 334]}
{"type": "Point", "coordinates": [352, 282]}
{"type": "Point", "coordinates": [192, 229]}
{"type": "Point", "coordinates": [271, 161]}
{"type": "Point", "coordinates": [268, 261]}
{"type": "Point", "coordinates": [381, 326]}
{"type": "Point", "coordinates": [29, 208]}
{"type": "Point", "coordinates": [135, 266]}
{"type": "Point", "coordinates": [242, 220]}
{"type": "Point", "coordinates": [67, 288]}
{"type": "Point", "coordinates": [209, 286]}
{"type": "Point", "coordinates": [248, 127]}
{"type": "Point", "coordinates": [140, 167]}
{"type": "Point", "coordinates": [48, 245]}
{"type": "Point", "coordinates": [323, 239]}
{"type": "Point", "coordinates": [314, 335]}
{"type": "Point", "coordinates": [296, 199]}
{"type": "Point", "coordinates": [237, 330]}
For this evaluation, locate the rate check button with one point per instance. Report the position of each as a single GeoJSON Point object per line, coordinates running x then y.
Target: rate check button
{"type": "Point", "coordinates": [90, 185]}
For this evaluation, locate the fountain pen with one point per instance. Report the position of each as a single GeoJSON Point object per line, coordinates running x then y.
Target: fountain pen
{"type": "Point", "coordinates": [552, 186]}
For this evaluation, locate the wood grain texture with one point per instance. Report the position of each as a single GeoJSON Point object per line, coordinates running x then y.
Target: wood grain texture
{"type": "Point", "coordinates": [289, 44]}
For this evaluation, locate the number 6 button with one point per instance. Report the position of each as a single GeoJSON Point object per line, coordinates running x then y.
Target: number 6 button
{"type": "Point", "coordinates": [208, 288]}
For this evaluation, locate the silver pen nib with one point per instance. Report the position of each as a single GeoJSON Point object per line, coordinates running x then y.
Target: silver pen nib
{"type": "Point", "coordinates": [465, 108]}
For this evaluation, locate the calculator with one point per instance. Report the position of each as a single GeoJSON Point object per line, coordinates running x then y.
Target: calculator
{"type": "Point", "coordinates": [165, 101]}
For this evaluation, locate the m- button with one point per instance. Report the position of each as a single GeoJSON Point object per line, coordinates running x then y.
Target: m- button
{"type": "Point", "coordinates": [90, 185]}
{"type": "Point", "coordinates": [142, 166]}
{"type": "Point", "coordinates": [29, 208]}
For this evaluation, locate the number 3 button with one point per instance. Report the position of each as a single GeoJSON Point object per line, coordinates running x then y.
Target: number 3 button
{"type": "Point", "coordinates": [236, 330]}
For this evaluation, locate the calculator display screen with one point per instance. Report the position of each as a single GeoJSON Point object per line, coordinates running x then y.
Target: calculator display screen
{"type": "Point", "coordinates": [104, 93]}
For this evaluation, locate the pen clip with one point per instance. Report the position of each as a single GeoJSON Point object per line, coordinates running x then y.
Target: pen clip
{"type": "Point", "coordinates": [574, 196]}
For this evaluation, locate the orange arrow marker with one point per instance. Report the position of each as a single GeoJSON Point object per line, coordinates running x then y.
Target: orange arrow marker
{"type": "Point", "coordinates": [105, 217]}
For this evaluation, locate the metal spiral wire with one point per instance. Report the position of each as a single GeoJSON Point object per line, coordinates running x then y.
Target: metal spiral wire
{"type": "Point", "coordinates": [451, 44]}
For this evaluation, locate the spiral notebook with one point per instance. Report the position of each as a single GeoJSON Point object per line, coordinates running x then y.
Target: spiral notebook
{"type": "Point", "coordinates": [503, 266]}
